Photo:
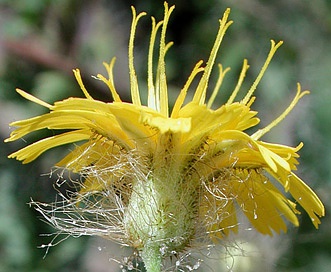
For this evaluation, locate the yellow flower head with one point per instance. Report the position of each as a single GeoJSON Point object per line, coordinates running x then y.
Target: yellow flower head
{"type": "Point", "coordinates": [158, 180]}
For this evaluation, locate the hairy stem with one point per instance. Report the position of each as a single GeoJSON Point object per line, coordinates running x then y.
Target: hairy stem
{"type": "Point", "coordinates": [151, 256]}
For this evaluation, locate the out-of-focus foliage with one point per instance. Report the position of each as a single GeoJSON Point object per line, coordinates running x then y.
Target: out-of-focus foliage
{"type": "Point", "coordinates": [42, 40]}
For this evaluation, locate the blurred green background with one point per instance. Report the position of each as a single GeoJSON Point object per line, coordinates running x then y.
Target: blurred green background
{"type": "Point", "coordinates": [41, 41]}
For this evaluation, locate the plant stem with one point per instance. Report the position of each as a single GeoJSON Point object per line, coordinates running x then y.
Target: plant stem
{"type": "Point", "coordinates": [151, 256]}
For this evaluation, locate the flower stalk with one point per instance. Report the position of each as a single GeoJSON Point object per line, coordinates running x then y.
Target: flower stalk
{"type": "Point", "coordinates": [152, 258]}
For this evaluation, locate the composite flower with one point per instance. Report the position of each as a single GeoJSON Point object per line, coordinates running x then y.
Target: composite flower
{"type": "Point", "coordinates": [158, 180]}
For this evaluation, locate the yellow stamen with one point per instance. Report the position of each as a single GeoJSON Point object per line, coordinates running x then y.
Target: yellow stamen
{"type": "Point", "coordinates": [200, 94]}
{"type": "Point", "coordinates": [133, 77]}
{"type": "Point", "coordinates": [150, 81]}
{"type": "Point", "coordinates": [110, 81]}
{"type": "Point", "coordinates": [33, 99]}
{"type": "Point", "coordinates": [240, 81]}
{"type": "Point", "coordinates": [81, 84]}
{"type": "Point", "coordinates": [258, 134]}
{"type": "Point", "coordinates": [157, 80]}
{"type": "Point", "coordinates": [273, 50]}
{"type": "Point", "coordinates": [161, 84]}
{"type": "Point", "coordinates": [218, 85]}
{"type": "Point", "coordinates": [181, 97]}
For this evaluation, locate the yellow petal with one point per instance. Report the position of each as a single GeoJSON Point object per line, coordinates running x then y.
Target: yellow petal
{"type": "Point", "coordinates": [261, 202]}
{"type": "Point", "coordinates": [272, 159]}
{"type": "Point", "coordinates": [31, 152]}
{"type": "Point", "coordinates": [306, 198]}
{"type": "Point", "coordinates": [165, 124]}
{"type": "Point", "coordinates": [128, 117]}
